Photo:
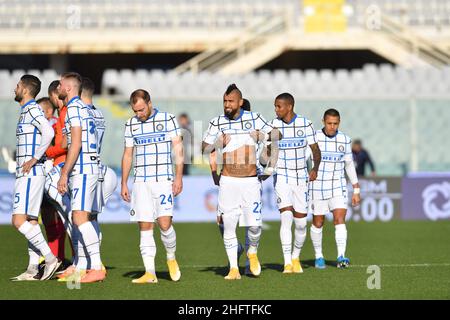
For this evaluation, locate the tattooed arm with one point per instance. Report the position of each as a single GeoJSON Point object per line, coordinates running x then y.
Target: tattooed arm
{"type": "Point", "coordinates": [316, 159]}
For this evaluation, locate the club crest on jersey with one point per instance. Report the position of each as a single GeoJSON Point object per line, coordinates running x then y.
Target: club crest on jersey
{"type": "Point", "coordinates": [248, 125]}
{"type": "Point", "coordinates": [160, 127]}
{"type": "Point", "coordinates": [300, 133]}
{"type": "Point", "coordinates": [278, 200]}
{"type": "Point", "coordinates": [341, 148]}
{"type": "Point", "coordinates": [132, 212]}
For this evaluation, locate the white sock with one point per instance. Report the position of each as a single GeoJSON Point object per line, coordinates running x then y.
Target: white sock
{"type": "Point", "coordinates": [91, 243]}
{"type": "Point", "coordinates": [230, 239]}
{"type": "Point", "coordinates": [287, 218]}
{"type": "Point", "coordinates": [169, 239]}
{"type": "Point", "coordinates": [316, 238]}
{"type": "Point", "coordinates": [148, 250]}
{"type": "Point", "coordinates": [82, 262]}
{"type": "Point", "coordinates": [34, 255]}
{"type": "Point", "coordinates": [97, 229]}
{"type": "Point", "coordinates": [300, 236]}
{"type": "Point", "coordinates": [341, 239]}
{"type": "Point", "coordinates": [36, 238]}
{"type": "Point", "coordinates": [254, 234]}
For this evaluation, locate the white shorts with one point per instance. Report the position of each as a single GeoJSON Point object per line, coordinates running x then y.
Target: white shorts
{"type": "Point", "coordinates": [28, 193]}
{"type": "Point", "coordinates": [105, 188]}
{"type": "Point", "coordinates": [241, 197]}
{"type": "Point", "coordinates": [322, 207]}
{"type": "Point", "coordinates": [151, 200]}
{"type": "Point", "coordinates": [82, 189]}
{"type": "Point", "coordinates": [292, 196]}
{"type": "Point", "coordinates": [60, 202]}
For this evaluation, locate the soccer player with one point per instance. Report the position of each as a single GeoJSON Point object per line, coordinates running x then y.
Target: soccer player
{"type": "Point", "coordinates": [291, 177]}
{"type": "Point", "coordinates": [34, 135]}
{"type": "Point", "coordinates": [54, 226]}
{"type": "Point", "coordinates": [49, 110]}
{"type": "Point", "coordinates": [107, 181]}
{"type": "Point", "coordinates": [329, 191]}
{"type": "Point", "coordinates": [235, 135]}
{"type": "Point", "coordinates": [58, 152]}
{"type": "Point", "coordinates": [152, 135]}
{"type": "Point", "coordinates": [79, 175]}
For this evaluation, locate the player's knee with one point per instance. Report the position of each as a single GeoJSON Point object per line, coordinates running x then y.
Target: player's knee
{"type": "Point", "coordinates": [339, 220]}
{"type": "Point", "coordinates": [80, 217]}
{"type": "Point", "coordinates": [18, 220]}
{"type": "Point", "coordinates": [254, 232]}
{"type": "Point", "coordinates": [165, 223]}
{"type": "Point", "coordinates": [300, 223]}
{"type": "Point", "coordinates": [318, 221]}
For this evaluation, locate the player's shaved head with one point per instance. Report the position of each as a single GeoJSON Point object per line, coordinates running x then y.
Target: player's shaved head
{"type": "Point", "coordinates": [332, 113]}
{"type": "Point", "coordinates": [47, 106]}
{"type": "Point", "coordinates": [53, 87]}
{"type": "Point", "coordinates": [32, 83]}
{"type": "Point", "coordinates": [87, 86]}
{"type": "Point", "coordinates": [286, 97]}
{"type": "Point", "coordinates": [69, 86]}
{"type": "Point", "coordinates": [232, 101]}
{"type": "Point", "coordinates": [233, 88]}
{"type": "Point", "coordinates": [139, 94]}
{"type": "Point", "coordinates": [246, 105]}
{"type": "Point", "coordinates": [74, 76]}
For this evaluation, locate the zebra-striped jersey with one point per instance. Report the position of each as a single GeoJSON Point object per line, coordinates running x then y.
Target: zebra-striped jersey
{"type": "Point", "coordinates": [238, 129]}
{"type": "Point", "coordinates": [100, 125]}
{"type": "Point", "coordinates": [297, 136]}
{"type": "Point", "coordinates": [152, 140]}
{"type": "Point", "coordinates": [331, 180]}
{"type": "Point", "coordinates": [78, 115]}
{"type": "Point", "coordinates": [28, 138]}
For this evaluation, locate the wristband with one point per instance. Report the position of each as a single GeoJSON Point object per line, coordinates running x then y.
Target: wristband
{"type": "Point", "coordinates": [356, 190]}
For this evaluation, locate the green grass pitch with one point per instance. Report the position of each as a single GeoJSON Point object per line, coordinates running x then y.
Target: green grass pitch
{"type": "Point", "coordinates": [414, 261]}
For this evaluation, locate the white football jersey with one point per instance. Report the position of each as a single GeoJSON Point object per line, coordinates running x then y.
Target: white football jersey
{"type": "Point", "coordinates": [28, 137]}
{"type": "Point", "coordinates": [78, 115]}
{"type": "Point", "coordinates": [297, 136]}
{"type": "Point", "coordinates": [100, 125]}
{"type": "Point", "coordinates": [152, 141]}
{"type": "Point", "coordinates": [238, 129]}
{"type": "Point", "coordinates": [331, 180]}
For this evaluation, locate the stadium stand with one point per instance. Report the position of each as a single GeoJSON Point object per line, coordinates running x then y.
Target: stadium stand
{"type": "Point", "coordinates": [410, 105]}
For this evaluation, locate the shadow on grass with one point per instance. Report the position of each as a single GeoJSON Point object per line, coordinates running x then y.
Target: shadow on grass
{"type": "Point", "coordinates": [311, 263]}
{"type": "Point", "coordinates": [137, 274]}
